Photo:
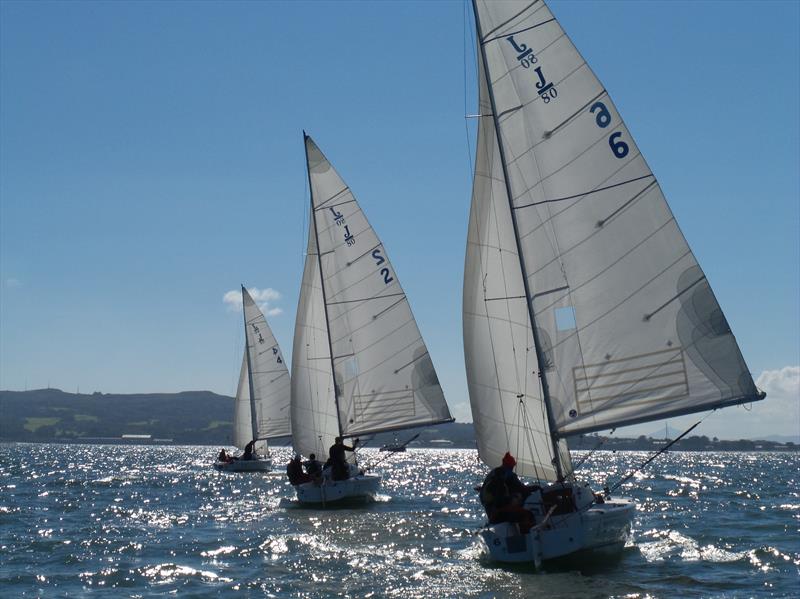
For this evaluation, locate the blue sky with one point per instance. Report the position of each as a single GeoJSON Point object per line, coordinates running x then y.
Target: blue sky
{"type": "Point", "coordinates": [151, 159]}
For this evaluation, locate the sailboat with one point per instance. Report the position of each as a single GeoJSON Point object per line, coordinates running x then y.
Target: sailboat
{"type": "Point", "coordinates": [261, 409]}
{"type": "Point", "coordinates": [584, 308]}
{"type": "Point", "coordinates": [359, 364]}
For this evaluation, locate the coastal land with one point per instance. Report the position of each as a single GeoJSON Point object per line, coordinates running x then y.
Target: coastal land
{"type": "Point", "coordinates": [205, 418]}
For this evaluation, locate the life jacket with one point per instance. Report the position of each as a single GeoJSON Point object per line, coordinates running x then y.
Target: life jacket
{"type": "Point", "coordinates": [494, 491]}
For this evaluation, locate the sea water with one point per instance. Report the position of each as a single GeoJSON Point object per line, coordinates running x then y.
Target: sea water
{"type": "Point", "coordinates": [143, 521]}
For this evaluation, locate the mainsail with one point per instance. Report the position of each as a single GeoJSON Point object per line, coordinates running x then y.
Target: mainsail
{"type": "Point", "coordinates": [262, 398]}
{"type": "Point", "coordinates": [354, 313]}
{"type": "Point", "coordinates": [627, 327]}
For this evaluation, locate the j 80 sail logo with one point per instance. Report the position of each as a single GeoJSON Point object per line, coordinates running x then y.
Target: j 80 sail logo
{"type": "Point", "coordinates": [547, 90]}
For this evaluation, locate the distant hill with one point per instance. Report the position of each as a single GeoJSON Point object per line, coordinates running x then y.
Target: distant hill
{"type": "Point", "coordinates": [53, 415]}
{"type": "Point", "coordinates": [205, 418]}
{"type": "Point", "coordinates": [190, 417]}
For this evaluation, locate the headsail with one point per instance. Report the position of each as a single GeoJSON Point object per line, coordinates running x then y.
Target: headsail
{"type": "Point", "coordinates": [505, 395]}
{"type": "Point", "coordinates": [384, 376]}
{"type": "Point", "coordinates": [242, 420]}
{"type": "Point", "coordinates": [267, 415]}
{"type": "Point", "coordinates": [628, 326]}
{"type": "Point", "coordinates": [314, 419]}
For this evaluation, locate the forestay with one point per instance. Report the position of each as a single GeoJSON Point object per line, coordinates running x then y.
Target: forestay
{"type": "Point", "coordinates": [384, 375]}
{"type": "Point", "coordinates": [314, 419]}
{"type": "Point", "coordinates": [628, 327]}
{"type": "Point", "coordinates": [267, 415]}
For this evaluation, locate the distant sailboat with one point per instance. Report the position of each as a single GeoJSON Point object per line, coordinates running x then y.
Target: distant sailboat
{"type": "Point", "coordinates": [584, 308]}
{"type": "Point", "coordinates": [359, 364]}
{"type": "Point", "coordinates": [261, 410]}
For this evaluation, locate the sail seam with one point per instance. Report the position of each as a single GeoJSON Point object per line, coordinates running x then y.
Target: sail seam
{"type": "Point", "coordinates": [334, 196]}
{"type": "Point", "coordinates": [507, 21]}
{"type": "Point", "coordinates": [505, 35]}
{"type": "Point", "coordinates": [597, 232]}
{"type": "Point", "coordinates": [625, 299]}
{"type": "Point", "coordinates": [544, 222]}
{"type": "Point", "coordinates": [364, 299]}
{"type": "Point", "coordinates": [584, 194]}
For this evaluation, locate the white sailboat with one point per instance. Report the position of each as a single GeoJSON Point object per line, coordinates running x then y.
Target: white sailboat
{"type": "Point", "coordinates": [261, 410]}
{"type": "Point", "coordinates": [584, 308]}
{"type": "Point", "coordinates": [359, 364]}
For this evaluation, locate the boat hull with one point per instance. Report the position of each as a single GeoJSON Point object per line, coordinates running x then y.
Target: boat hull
{"type": "Point", "coordinates": [258, 465]}
{"type": "Point", "coordinates": [356, 488]}
{"type": "Point", "coordinates": [591, 526]}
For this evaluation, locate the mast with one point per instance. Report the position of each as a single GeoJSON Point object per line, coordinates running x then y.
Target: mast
{"type": "Point", "coordinates": [322, 285]}
{"type": "Point", "coordinates": [253, 417]}
{"type": "Point", "coordinates": [528, 296]}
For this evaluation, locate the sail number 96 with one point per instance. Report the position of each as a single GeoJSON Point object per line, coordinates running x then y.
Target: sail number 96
{"type": "Point", "coordinates": [384, 271]}
{"type": "Point", "coordinates": [603, 120]}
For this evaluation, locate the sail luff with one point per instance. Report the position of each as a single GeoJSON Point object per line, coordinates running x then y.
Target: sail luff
{"type": "Point", "coordinates": [313, 217]}
{"type": "Point", "coordinates": [520, 255]}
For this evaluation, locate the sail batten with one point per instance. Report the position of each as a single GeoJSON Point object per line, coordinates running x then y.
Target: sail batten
{"type": "Point", "coordinates": [611, 279]}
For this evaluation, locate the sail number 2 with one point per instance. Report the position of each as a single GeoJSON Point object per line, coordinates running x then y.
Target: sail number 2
{"type": "Point", "coordinates": [387, 278]}
{"type": "Point", "coordinates": [603, 120]}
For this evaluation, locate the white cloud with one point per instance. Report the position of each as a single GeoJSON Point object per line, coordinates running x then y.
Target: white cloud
{"type": "Point", "coordinates": [778, 414]}
{"type": "Point", "coordinates": [783, 384]}
{"type": "Point", "coordinates": [264, 298]}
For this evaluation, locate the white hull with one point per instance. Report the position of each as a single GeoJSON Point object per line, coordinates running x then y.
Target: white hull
{"type": "Point", "coordinates": [589, 526]}
{"type": "Point", "coordinates": [355, 488]}
{"type": "Point", "coordinates": [257, 465]}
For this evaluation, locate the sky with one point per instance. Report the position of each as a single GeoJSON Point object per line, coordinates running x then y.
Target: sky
{"type": "Point", "coordinates": [151, 160]}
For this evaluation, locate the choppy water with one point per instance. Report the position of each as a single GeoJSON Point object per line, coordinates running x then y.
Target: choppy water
{"type": "Point", "coordinates": [141, 521]}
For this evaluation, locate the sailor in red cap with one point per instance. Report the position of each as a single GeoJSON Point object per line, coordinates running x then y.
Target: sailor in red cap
{"type": "Point", "coordinates": [503, 495]}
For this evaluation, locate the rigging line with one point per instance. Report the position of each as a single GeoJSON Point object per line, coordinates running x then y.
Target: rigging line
{"type": "Point", "coordinates": [470, 161]}
{"type": "Point", "coordinates": [584, 194]}
{"type": "Point", "coordinates": [593, 450]}
{"type": "Point", "coordinates": [658, 453]}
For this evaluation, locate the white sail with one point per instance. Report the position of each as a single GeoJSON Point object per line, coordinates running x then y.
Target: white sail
{"type": "Point", "coordinates": [242, 421]}
{"type": "Point", "coordinates": [627, 324]}
{"type": "Point", "coordinates": [504, 390]}
{"type": "Point", "coordinates": [314, 418]}
{"type": "Point", "coordinates": [384, 376]}
{"type": "Point", "coordinates": [268, 372]}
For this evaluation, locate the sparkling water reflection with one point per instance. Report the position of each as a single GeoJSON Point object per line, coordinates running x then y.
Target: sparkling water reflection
{"type": "Point", "coordinates": [144, 521]}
